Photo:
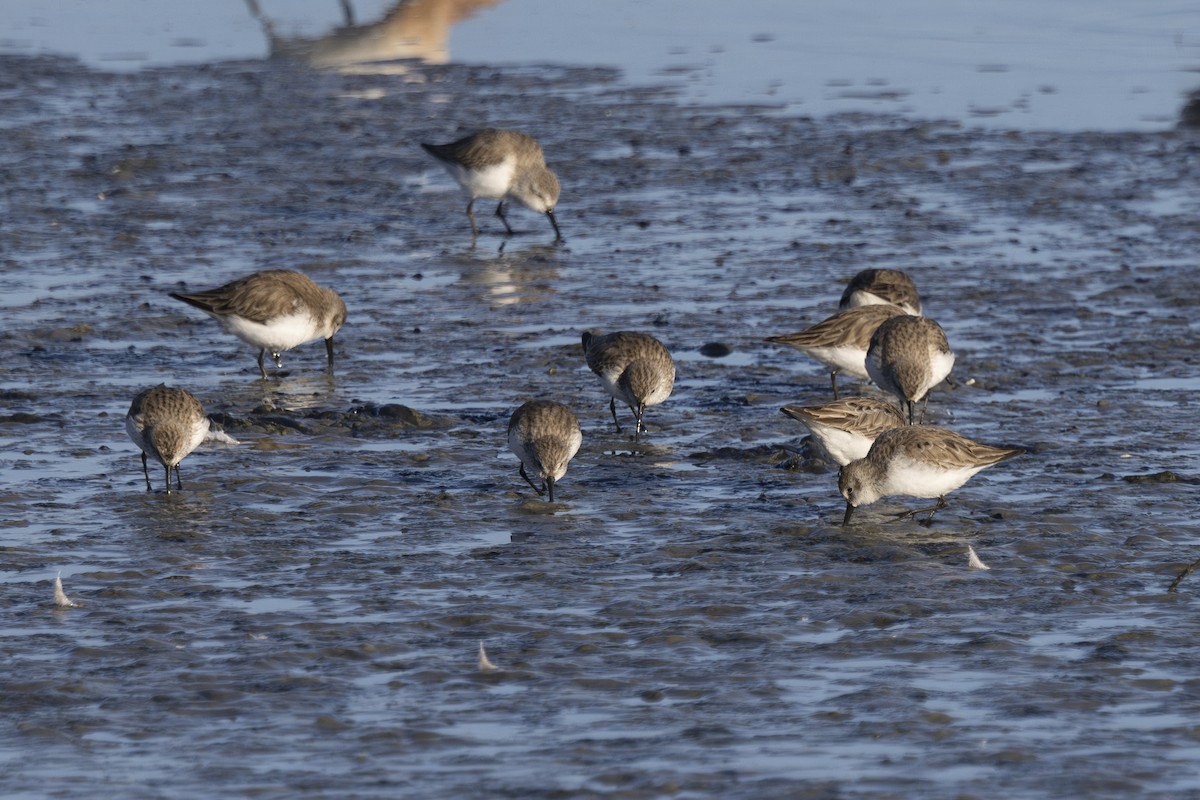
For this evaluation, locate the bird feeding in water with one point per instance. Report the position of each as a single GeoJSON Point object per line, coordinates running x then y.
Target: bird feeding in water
{"type": "Point", "coordinates": [907, 357]}
{"type": "Point", "coordinates": [545, 435]}
{"type": "Point", "coordinates": [501, 165]}
{"type": "Point", "coordinates": [273, 310]}
{"type": "Point", "coordinates": [635, 368]}
{"type": "Point", "coordinates": [916, 461]}
{"type": "Point", "coordinates": [167, 424]}
{"type": "Point", "coordinates": [841, 341]}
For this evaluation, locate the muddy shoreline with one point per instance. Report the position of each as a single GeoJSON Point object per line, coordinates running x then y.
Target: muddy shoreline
{"type": "Point", "coordinates": [690, 619]}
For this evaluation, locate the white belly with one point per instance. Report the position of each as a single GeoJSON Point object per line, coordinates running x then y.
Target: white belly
{"type": "Point", "coordinates": [199, 434]}
{"type": "Point", "coordinates": [609, 378]}
{"type": "Point", "coordinates": [847, 360]}
{"type": "Point", "coordinates": [490, 182]}
{"type": "Point", "coordinates": [135, 432]}
{"type": "Point", "coordinates": [920, 479]}
{"type": "Point", "coordinates": [940, 366]}
{"type": "Point", "coordinates": [281, 333]}
{"type": "Point", "coordinates": [840, 445]}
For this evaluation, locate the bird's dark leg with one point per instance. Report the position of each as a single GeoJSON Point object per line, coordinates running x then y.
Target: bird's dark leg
{"type": "Point", "coordinates": [146, 472]}
{"type": "Point", "coordinates": [178, 480]}
{"type": "Point", "coordinates": [261, 369]}
{"type": "Point", "coordinates": [612, 406]}
{"type": "Point", "coordinates": [524, 475]}
{"type": "Point", "coordinates": [471, 216]}
{"type": "Point", "coordinates": [940, 504]}
{"type": "Point", "coordinates": [503, 218]}
{"type": "Point", "coordinates": [924, 408]}
{"type": "Point", "coordinates": [554, 222]}
{"type": "Point", "coordinates": [638, 427]}
{"type": "Point", "coordinates": [833, 380]}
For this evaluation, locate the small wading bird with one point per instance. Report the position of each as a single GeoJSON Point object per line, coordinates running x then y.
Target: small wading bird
{"type": "Point", "coordinates": [844, 430]}
{"type": "Point", "coordinates": [545, 435]}
{"type": "Point", "coordinates": [501, 165]}
{"type": "Point", "coordinates": [635, 368]}
{"type": "Point", "coordinates": [167, 424]}
{"type": "Point", "coordinates": [882, 287]}
{"type": "Point", "coordinates": [909, 356]}
{"type": "Point", "coordinates": [841, 341]}
{"type": "Point", "coordinates": [916, 461]}
{"type": "Point", "coordinates": [273, 310]}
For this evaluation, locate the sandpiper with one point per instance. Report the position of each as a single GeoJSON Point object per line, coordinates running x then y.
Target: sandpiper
{"type": "Point", "coordinates": [844, 430]}
{"type": "Point", "coordinates": [841, 341]}
{"type": "Point", "coordinates": [168, 424]}
{"type": "Point", "coordinates": [908, 356]}
{"type": "Point", "coordinates": [273, 310]}
{"type": "Point", "coordinates": [636, 368]}
{"type": "Point", "coordinates": [545, 435]}
{"type": "Point", "coordinates": [916, 461]}
{"type": "Point", "coordinates": [501, 165]}
{"type": "Point", "coordinates": [880, 287]}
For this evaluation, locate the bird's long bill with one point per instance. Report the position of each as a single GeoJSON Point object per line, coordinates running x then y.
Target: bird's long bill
{"type": "Point", "coordinates": [558, 237]}
{"type": "Point", "coordinates": [550, 488]}
{"type": "Point", "coordinates": [849, 513]}
{"type": "Point", "coordinates": [329, 350]}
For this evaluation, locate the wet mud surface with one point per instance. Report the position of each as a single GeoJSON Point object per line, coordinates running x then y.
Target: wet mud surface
{"type": "Point", "coordinates": [690, 619]}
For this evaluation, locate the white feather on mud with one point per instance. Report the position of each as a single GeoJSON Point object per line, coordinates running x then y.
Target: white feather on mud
{"type": "Point", "coordinates": [484, 664]}
{"type": "Point", "coordinates": [60, 597]}
{"type": "Point", "coordinates": [973, 560]}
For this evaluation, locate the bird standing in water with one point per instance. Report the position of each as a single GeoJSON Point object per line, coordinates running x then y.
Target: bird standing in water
{"type": "Point", "coordinates": [501, 165]}
{"type": "Point", "coordinates": [545, 435]}
{"type": "Point", "coordinates": [636, 368]}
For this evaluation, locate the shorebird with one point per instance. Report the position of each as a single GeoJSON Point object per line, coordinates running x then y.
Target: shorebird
{"type": "Point", "coordinates": [882, 287]}
{"type": "Point", "coordinates": [916, 461]}
{"type": "Point", "coordinates": [908, 356]}
{"type": "Point", "coordinates": [501, 165]}
{"type": "Point", "coordinates": [841, 341]}
{"type": "Point", "coordinates": [167, 424]}
{"type": "Point", "coordinates": [273, 310]}
{"type": "Point", "coordinates": [844, 430]}
{"type": "Point", "coordinates": [636, 369]}
{"type": "Point", "coordinates": [545, 435]}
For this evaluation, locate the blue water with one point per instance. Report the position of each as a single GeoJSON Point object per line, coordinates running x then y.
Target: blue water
{"type": "Point", "coordinates": [303, 619]}
{"type": "Point", "coordinates": [1067, 65]}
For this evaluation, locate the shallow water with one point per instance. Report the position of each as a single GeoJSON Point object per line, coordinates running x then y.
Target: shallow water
{"type": "Point", "coordinates": [1026, 64]}
{"type": "Point", "coordinates": [690, 620]}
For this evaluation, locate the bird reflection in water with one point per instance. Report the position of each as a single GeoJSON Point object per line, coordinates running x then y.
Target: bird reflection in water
{"type": "Point", "coordinates": [520, 275]}
{"type": "Point", "coordinates": [412, 29]}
